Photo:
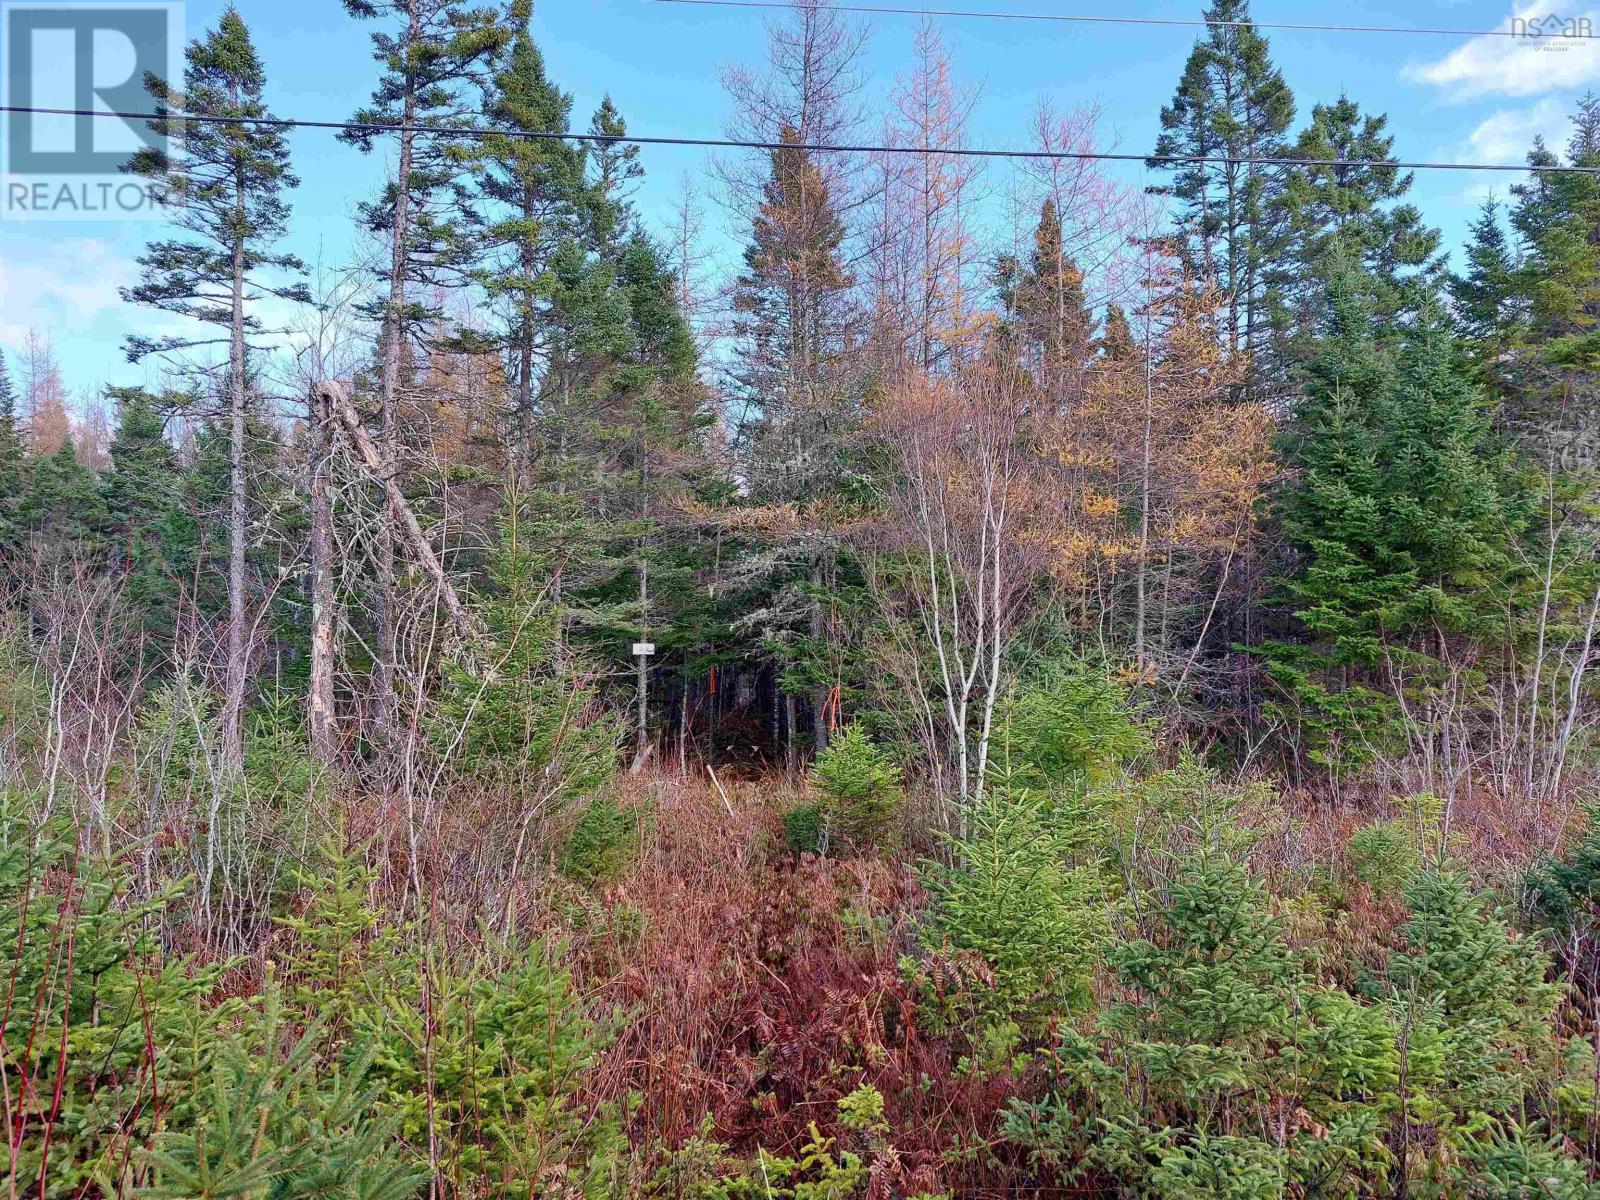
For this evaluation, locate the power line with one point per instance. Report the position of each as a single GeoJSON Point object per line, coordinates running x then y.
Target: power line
{"type": "Point", "coordinates": [554, 135]}
{"type": "Point", "coordinates": [1075, 19]}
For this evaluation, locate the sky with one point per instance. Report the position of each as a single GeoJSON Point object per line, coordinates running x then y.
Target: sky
{"type": "Point", "coordinates": [1448, 97]}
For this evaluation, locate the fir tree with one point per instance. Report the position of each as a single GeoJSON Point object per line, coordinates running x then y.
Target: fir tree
{"type": "Point", "coordinates": [1352, 214]}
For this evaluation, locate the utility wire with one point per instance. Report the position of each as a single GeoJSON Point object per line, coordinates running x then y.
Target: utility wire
{"type": "Point", "coordinates": [1064, 18]}
{"type": "Point", "coordinates": [554, 135]}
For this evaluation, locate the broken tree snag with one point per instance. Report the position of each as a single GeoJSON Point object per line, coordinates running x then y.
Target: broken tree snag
{"type": "Point", "coordinates": [466, 629]}
{"type": "Point", "coordinates": [324, 740]}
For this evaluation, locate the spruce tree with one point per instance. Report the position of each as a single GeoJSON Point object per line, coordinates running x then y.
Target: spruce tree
{"type": "Point", "coordinates": [141, 492]}
{"type": "Point", "coordinates": [526, 201]}
{"type": "Point", "coordinates": [1353, 213]}
{"type": "Point", "coordinates": [61, 507]}
{"type": "Point", "coordinates": [1489, 307]}
{"type": "Point", "coordinates": [799, 390]}
{"type": "Point", "coordinates": [226, 191]}
{"type": "Point", "coordinates": [12, 470]}
{"type": "Point", "coordinates": [1044, 300]}
{"type": "Point", "coordinates": [1231, 103]}
{"type": "Point", "coordinates": [1116, 339]}
{"type": "Point", "coordinates": [429, 52]}
{"type": "Point", "coordinates": [1557, 217]}
{"type": "Point", "coordinates": [1403, 520]}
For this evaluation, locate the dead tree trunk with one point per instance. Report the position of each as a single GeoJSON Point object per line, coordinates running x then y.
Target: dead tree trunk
{"type": "Point", "coordinates": [324, 737]}
{"type": "Point", "coordinates": [382, 470]}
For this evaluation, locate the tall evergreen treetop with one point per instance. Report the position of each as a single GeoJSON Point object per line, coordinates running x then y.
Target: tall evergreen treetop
{"type": "Point", "coordinates": [1488, 303]}
{"type": "Point", "coordinates": [1045, 302]}
{"type": "Point", "coordinates": [226, 188]}
{"type": "Point", "coordinates": [429, 52]}
{"type": "Point", "coordinates": [1354, 213]}
{"type": "Point", "coordinates": [527, 201]}
{"type": "Point", "coordinates": [1231, 102]}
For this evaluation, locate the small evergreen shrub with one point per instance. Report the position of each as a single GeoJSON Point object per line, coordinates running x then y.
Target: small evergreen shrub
{"type": "Point", "coordinates": [132, 1026]}
{"type": "Point", "coordinates": [603, 841]}
{"type": "Point", "coordinates": [862, 797]}
{"type": "Point", "coordinates": [1384, 856]}
{"type": "Point", "coordinates": [490, 1059]}
{"type": "Point", "coordinates": [1019, 899]}
{"type": "Point", "coordinates": [272, 1119]}
{"type": "Point", "coordinates": [1068, 726]}
{"type": "Point", "coordinates": [1176, 1093]}
{"type": "Point", "coordinates": [803, 829]}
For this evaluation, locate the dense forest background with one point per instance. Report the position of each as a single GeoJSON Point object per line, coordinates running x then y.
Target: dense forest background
{"type": "Point", "coordinates": [1119, 718]}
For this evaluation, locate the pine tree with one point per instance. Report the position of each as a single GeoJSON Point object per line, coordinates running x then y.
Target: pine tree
{"type": "Point", "coordinates": [615, 171]}
{"type": "Point", "coordinates": [1231, 102]}
{"type": "Point", "coordinates": [225, 189]}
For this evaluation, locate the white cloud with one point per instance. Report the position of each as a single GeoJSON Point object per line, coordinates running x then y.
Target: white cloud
{"type": "Point", "coordinates": [45, 289]}
{"type": "Point", "coordinates": [1507, 134]}
{"type": "Point", "coordinates": [1526, 65]}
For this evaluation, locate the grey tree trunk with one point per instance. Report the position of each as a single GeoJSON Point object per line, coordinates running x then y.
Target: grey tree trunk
{"type": "Point", "coordinates": [393, 341]}
{"type": "Point", "coordinates": [235, 671]}
{"type": "Point", "coordinates": [320, 714]}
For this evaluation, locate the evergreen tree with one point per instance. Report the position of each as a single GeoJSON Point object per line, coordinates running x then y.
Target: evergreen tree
{"type": "Point", "coordinates": [1116, 339]}
{"type": "Point", "coordinates": [1044, 301]}
{"type": "Point", "coordinates": [429, 52]}
{"type": "Point", "coordinates": [226, 189]}
{"type": "Point", "coordinates": [1488, 305]}
{"type": "Point", "coordinates": [527, 199]}
{"type": "Point", "coordinates": [141, 492]}
{"type": "Point", "coordinates": [614, 172]}
{"type": "Point", "coordinates": [12, 470]}
{"type": "Point", "coordinates": [1556, 216]}
{"type": "Point", "coordinates": [1403, 522]}
{"type": "Point", "coordinates": [61, 507]}
{"type": "Point", "coordinates": [1231, 103]}
{"type": "Point", "coordinates": [1352, 214]}
{"type": "Point", "coordinates": [799, 388]}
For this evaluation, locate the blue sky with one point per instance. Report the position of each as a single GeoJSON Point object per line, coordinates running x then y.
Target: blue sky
{"type": "Point", "coordinates": [1448, 97]}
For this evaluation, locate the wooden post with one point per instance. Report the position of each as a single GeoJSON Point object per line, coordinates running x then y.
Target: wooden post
{"type": "Point", "coordinates": [642, 651]}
